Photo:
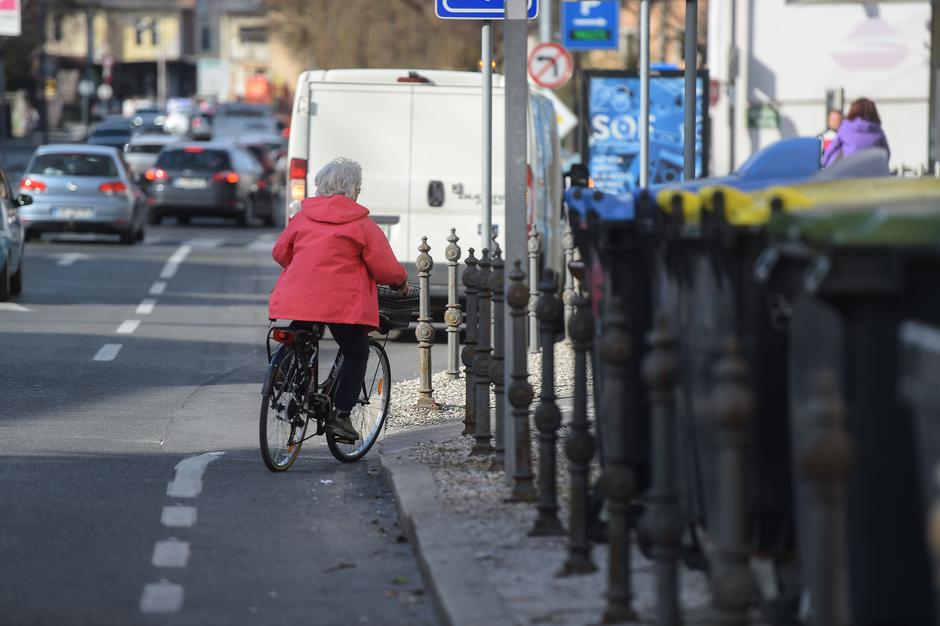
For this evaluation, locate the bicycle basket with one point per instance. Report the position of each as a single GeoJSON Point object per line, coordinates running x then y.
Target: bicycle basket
{"type": "Point", "coordinates": [395, 309]}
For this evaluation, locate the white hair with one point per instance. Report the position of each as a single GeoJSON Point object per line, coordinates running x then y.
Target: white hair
{"type": "Point", "coordinates": [339, 176]}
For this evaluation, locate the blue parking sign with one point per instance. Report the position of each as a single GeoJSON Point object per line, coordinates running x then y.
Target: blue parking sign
{"type": "Point", "coordinates": [590, 24]}
{"type": "Point", "coordinates": [479, 9]}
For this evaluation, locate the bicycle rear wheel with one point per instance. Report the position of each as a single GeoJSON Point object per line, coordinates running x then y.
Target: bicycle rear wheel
{"type": "Point", "coordinates": [283, 423]}
{"type": "Point", "coordinates": [371, 410]}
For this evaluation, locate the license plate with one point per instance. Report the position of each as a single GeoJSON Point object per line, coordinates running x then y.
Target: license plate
{"type": "Point", "coordinates": [74, 212]}
{"type": "Point", "coordinates": [191, 183]}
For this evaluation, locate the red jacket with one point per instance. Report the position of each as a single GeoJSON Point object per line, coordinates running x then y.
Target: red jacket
{"type": "Point", "coordinates": [333, 255]}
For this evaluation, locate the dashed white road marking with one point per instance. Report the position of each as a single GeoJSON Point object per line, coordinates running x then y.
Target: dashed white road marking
{"type": "Point", "coordinates": [13, 306]}
{"type": "Point", "coordinates": [188, 480]}
{"type": "Point", "coordinates": [170, 553]}
{"type": "Point", "coordinates": [158, 288]}
{"type": "Point", "coordinates": [107, 352]}
{"type": "Point", "coordinates": [178, 516]}
{"type": "Point", "coordinates": [69, 258]}
{"type": "Point", "coordinates": [173, 263]}
{"type": "Point", "coordinates": [261, 243]}
{"type": "Point", "coordinates": [161, 597]}
{"type": "Point", "coordinates": [128, 327]}
{"type": "Point", "coordinates": [146, 306]}
{"type": "Point", "coordinates": [204, 243]}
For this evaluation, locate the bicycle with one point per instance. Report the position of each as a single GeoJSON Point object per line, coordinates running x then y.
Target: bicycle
{"type": "Point", "coordinates": [293, 397]}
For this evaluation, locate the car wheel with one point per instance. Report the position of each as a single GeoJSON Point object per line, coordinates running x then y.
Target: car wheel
{"type": "Point", "coordinates": [128, 237]}
{"type": "Point", "coordinates": [269, 219]}
{"type": "Point", "coordinates": [16, 281]}
{"type": "Point", "coordinates": [30, 235]}
{"type": "Point", "coordinates": [182, 220]}
{"type": "Point", "coordinates": [154, 217]}
{"type": "Point", "coordinates": [140, 233]}
{"type": "Point", "coordinates": [5, 282]}
{"type": "Point", "coordinates": [244, 218]}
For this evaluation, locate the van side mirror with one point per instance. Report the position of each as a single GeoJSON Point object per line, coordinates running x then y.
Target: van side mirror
{"type": "Point", "coordinates": [436, 193]}
{"type": "Point", "coordinates": [23, 200]}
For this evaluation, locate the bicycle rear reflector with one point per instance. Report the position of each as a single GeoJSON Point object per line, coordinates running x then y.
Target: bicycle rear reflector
{"type": "Point", "coordinates": [282, 336]}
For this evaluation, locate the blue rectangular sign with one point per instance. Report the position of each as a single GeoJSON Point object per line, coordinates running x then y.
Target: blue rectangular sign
{"type": "Point", "coordinates": [479, 9]}
{"type": "Point", "coordinates": [590, 24]}
{"type": "Point", "coordinates": [613, 138]}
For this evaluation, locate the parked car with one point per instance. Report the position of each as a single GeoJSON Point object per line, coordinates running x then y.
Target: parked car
{"type": "Point", "coordinates": [12, 245]}
{"type": "Point", "coordinates": [207, 179]}
{"type": "Point", "coordinates": [113, 132]}
{"type": "Point", "coordinates": [142, 150]}
{"type": "Point", "coordinates": [76, 188]}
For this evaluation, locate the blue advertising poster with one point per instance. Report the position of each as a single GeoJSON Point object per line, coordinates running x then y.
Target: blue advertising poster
{"type": "Point", "coordinates": [613, 138]}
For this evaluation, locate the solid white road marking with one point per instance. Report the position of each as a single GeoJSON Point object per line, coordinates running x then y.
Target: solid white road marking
{"type": "Point", "coordinates": [188, 480]}
{"type": "Point", "coordinates": [204, 243]}
{"type": "Point", "coordinates": [69, 258]}
{"type": "Point", "coordinates": [178, 516]}
{"type": "Point", "coordinates": [107, 352]}
{"type": "Point", "coordinates": [128, 327]}
{"type": "Point", "coordinates": [170, 553]}
{"type": "Point", "coordinates": [261, 243]}
{"type": "Point", "coordinates": [158, 288]}
{"type": "Point", "coordinates": [161, 597]}
{"type": "Point", "coordinates": [146, 306]}
{"type": "Point", "coordinates": [173, 263]}
{"type": "Point", "coordinates": [13, 306]}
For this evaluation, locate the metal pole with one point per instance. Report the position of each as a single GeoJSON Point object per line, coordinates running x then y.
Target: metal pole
{"type": "Point", "coordinates": [644, 93]}
{"type": "Point", "coordinates": [497, 365]}
{"type": "Point", "coordinates": [470, 341]}
{"type": "Point", "coordinates": [425, 331]}
{"type": "Point", "coordinates": [568, 293]}
{"type": "Point", "coordinates": [89, 65]}
{"type": "Point", "coordinates": [691, 73]}
{"type": "Point", "coordinates": [481, 362]}
{"type": "Point", "coordinates": [520, 391]}
{"type": "Point", "coordinates": [43, 103]}
{"type": "Point", "coordinates": [452, 314]}
{"type": "Point", "coordinates": [546, 20]}
{"type": "Point", "coordinates": [534, 245]}
{"type": "Point", "coordinates": [933, 136]}
{"type": "Point", "coordinates": [487, 56]}
{"type": "Point", "coordinates": [3, 113]}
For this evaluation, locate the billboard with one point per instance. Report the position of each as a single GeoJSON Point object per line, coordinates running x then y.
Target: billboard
{"type": "Point", "coordinates": [611, 142]}
{"type": "Point", "coordinates": [10, 18]}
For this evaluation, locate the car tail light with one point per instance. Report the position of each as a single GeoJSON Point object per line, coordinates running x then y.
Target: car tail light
{"type": "Point", "coordinates": [285, 133]}
{"type": "Point", "coordinates": [113, 187]}
{"type": "Point", "coordinates": [282, 336]}
{"type": "Point", "coordinates": [156, 174]}
{"type": "Point", "coordinates": [225, 177]}
{"type": "Point", "coordinates": [194, 149]}
{"type": "Point", "coordinates": [32, 185]}
{"type": "Point", "coordinates": [298, 179]}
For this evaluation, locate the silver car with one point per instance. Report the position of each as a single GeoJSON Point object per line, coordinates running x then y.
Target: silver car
{"type": "Point", "coordinates": [81, 188]}
{"type": "Point", "coordinates": [141, 152]}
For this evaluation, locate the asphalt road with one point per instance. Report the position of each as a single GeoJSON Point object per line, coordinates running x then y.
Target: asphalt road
{"type": "Point", "coordinates": [131, 487]}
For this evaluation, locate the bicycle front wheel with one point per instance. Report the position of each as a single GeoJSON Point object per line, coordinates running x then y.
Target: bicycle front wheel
{"type": "Point", "coordinates": [371, 410]}
{"type": "Point", "coordinates": [283, 423]}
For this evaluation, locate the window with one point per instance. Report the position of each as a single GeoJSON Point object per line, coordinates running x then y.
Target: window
{"type": "Point", "coordinates": [206, 38]}
{"type": "Point", "coordinates": [194, 159]}
{"type": "Point", "coordinates": [253, 34]}
{"type": "Point", "coordinates": [73, 164]}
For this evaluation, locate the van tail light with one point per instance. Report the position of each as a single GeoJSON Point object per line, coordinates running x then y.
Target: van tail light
{"type": "Point", "coordinates": [31, 185]}
{"type": "Point", "coordinates": [282, 336]}
{"type": "Point", "coordinates": [298, 179]}
{"type": "Point", "coordinates": [156, 174]}
{"type": "Point", "coordinates": [113, 187]}
{"type": "Point", "coordinates": [225, 177]}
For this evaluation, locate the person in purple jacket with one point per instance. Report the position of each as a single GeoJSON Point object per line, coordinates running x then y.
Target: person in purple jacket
{"type": "Point", "coordinates": [861, 129]}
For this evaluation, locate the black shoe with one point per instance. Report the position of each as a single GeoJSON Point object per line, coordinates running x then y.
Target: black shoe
{"type": "Point", "coordinates": [340, 426]}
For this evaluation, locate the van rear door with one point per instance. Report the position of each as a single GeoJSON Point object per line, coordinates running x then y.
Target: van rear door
{"type": "Point", "coordinates": [370, 124]}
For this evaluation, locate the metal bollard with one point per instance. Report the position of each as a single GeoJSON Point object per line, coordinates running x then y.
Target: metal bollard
{"type": "Point", "coordinates": [498, 366]}
{"type": "Point", "coordinates": [825, 467]}
{"type": "Point", "coordinates": [579, 445]}
{"type": "Point", "coordinates": [425, 332]}
{"type": "Point", "coordinates": [520, 391]}
{"type": "Point", "coordinates": [732, 405]}
{"type": "Point", "coordinates": [664, 526]}
{"type": "Point", "coordinates": [470, 340]}
{"type": "Point", "coordinates": [534, 247]}
{"type": "Point", "coordinates": [452, 314]}
{"type": "Point", "coordinates": [547, 414]}
{"type": "Point", "coordinates": [619, 480]}
{"type": "Point", "coordinates": [568, 294]}
{"type": "Point", "coordinates": [481, 361]}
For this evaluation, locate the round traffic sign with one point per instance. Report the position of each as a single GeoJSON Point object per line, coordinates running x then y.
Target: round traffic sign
{"type": "Point", "coordinates": [86, 87]}
{"type": "Point", "coordinates": [550, 65]}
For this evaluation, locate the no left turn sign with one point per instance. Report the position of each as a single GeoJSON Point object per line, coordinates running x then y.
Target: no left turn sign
{"type": "Point", "coordinates": [550, 65]}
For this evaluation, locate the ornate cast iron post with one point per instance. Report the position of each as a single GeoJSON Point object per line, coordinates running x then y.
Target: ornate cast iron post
{"type": "Point", "coordinates": [568, 294]}
{"type": "Point", "coordinates": [481, 361]}
{"type": "Point", "coordinates": [619, 479]}
{"type": "Point", "coordinates": [824, 467]}
{"type": "Point", "coordinates": [579, 445]}
{"type": "Point", "coordinates": [425, 332]}
{"type": "Point", "coordinates": [664, 526]}
{"type": "Point", "coordinates": [452, 314]}
{"type": "Point", "coordinates": [534, 248]}
{"type": "Point", "coordinates": [732, 404]}
{"type": "Point", "coordinates": [498, 366]}
{"type": "Point", "coordinates": [470, 340]}
{"type": "Point", "coordinates": [520, 391]}
{"type": "Point", "coordinates": [547, 414]}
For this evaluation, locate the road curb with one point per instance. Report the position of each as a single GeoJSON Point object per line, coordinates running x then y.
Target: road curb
{"type": "Point", "coordinates": [462, 595]}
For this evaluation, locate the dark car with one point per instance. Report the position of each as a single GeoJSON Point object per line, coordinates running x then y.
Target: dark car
{"type": "Point", "coordinates": [12, 246]}
{"type": "Point", "coordinates": [207, 179]}
{"type": "Point", "coordinates": [148, 120]}
{"type": "Point", "coordinates": [114, 133]}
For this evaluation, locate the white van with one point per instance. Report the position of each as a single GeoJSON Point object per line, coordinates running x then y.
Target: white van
{"type": "Point", "coordinates": [418, 136]}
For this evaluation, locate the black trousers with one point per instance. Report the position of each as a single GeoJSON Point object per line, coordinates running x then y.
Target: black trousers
{"type": "Point", "coordinates": [353, 343]}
